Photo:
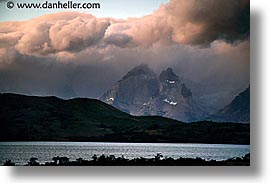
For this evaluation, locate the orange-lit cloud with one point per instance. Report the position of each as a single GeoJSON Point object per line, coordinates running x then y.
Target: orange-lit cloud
{"type": "Point", "coordinates": [205, 41]}
{"type": "Point", "coordinates": [191, 22]}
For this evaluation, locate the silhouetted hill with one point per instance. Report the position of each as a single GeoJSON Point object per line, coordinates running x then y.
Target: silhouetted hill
{"type": "Point", "coordinates": [81, 119]}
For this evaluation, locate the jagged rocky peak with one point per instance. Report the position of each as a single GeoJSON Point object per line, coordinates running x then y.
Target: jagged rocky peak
{"type": "Point", "coordinates": [142, 92]}
{"type": "Point", "coordinates": [185, 92]}
{"type": "Point", "coordinates": [142, 69]}
{"type": "Point", "coordinates": [134, 89]}
{"type": "Point", "coordinates": [168, 76]}
{"type": "Point", "coordinates": [171, 84]}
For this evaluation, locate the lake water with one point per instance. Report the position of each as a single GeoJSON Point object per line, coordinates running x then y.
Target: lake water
{"type": "Point", "coordinates": [21, 152]}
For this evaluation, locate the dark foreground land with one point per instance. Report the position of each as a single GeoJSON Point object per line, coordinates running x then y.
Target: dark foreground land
{"type": "Point", "coordinates": [158, 160]}
{"type": "Point", "coordinates": [29, 118]}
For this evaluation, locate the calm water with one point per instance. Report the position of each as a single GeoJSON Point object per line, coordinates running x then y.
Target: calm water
{"type": "Point", "coordinates": [21, 152]}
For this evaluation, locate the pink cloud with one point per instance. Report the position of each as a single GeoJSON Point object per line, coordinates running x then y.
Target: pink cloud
{"type": "Point", "coordinates": [191, 22]}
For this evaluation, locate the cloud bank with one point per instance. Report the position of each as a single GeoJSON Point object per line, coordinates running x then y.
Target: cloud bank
{"type": "Point", "coordinates": [191, 22]}
{"type": "Point", "coordinates": [76, 54]}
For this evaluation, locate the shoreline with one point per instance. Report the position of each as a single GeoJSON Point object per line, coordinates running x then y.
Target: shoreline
{"type": "Point", "coordinates": [125, 142]}
{"type": "Point", "coordinates": [158, 160]}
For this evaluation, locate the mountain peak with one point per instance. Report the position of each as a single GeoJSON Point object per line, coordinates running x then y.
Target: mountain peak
{"type": "Point", "coordinates": [142, 69]}
{"type": "Point", "coordinates": [236, 111]}
{"type": "Point", "coordinates": [168, 75]}
{"type": "Point", "coordinates": [141, 92]}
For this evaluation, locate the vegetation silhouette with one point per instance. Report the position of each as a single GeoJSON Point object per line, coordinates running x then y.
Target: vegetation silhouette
{"type": "Point", "coordinates": [9, 163]}
{"type": "Point", "coordinates": [158, 160]}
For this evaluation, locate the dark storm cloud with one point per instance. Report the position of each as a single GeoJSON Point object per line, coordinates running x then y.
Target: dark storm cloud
{"type": "Point", "coordinates": [75, 54]}
{"type": "Point", "coordinates": [191, 22]}
{"type": "Point", "coordinates": [203, 21]}
{"type": "Point", "coordinates": [120, 40]}
{"type": "Point", "coordinates": [220, 71]}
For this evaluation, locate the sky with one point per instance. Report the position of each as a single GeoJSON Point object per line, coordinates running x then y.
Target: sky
{"type": "Point", "coordinates": [82, 54]}
{"type": "Point", "coordinates": [109, 8]}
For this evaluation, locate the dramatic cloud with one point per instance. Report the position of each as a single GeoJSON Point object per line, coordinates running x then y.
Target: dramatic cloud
{"type": "Point", "coordinates": [42, 37]}
{"type": "Point", "coordinates": [193, 22]}
{"type": "Point", "coordinates": [203, 21]}
{"type": "Point", "coordinates": [120, 40]}
{"type": "Point", "coordinates": [70, 54]}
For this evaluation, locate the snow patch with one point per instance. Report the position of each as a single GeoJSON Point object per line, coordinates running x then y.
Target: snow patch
{"type": "Point", "coordinates": [146, 103]}
{"type": "Point", "coordinates": [110, 99]}
{"type": "Point", "coordinates": [170, 102]}
{"type": "Point", "coordinates": [171, 81]}
{"type": "Point", "coordinates": [173, 103]}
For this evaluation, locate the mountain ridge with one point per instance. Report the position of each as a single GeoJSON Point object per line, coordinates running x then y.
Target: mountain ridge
{"type": "Point", "coordinates": [238, 110]}
{"type": "Point", "coordinates": [27, 118]}
{"type": "Point", "coordinates": [141, 93]}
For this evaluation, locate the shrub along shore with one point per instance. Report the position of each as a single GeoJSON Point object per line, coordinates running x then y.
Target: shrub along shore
{"type": "Point", "coordinates": [158, 160]}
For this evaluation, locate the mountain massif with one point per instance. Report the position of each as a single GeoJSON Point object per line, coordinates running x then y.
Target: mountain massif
{"type": "Point", "coordinates": [24, 118]}
{"type": "Point", "coordinates": [141, 92]}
